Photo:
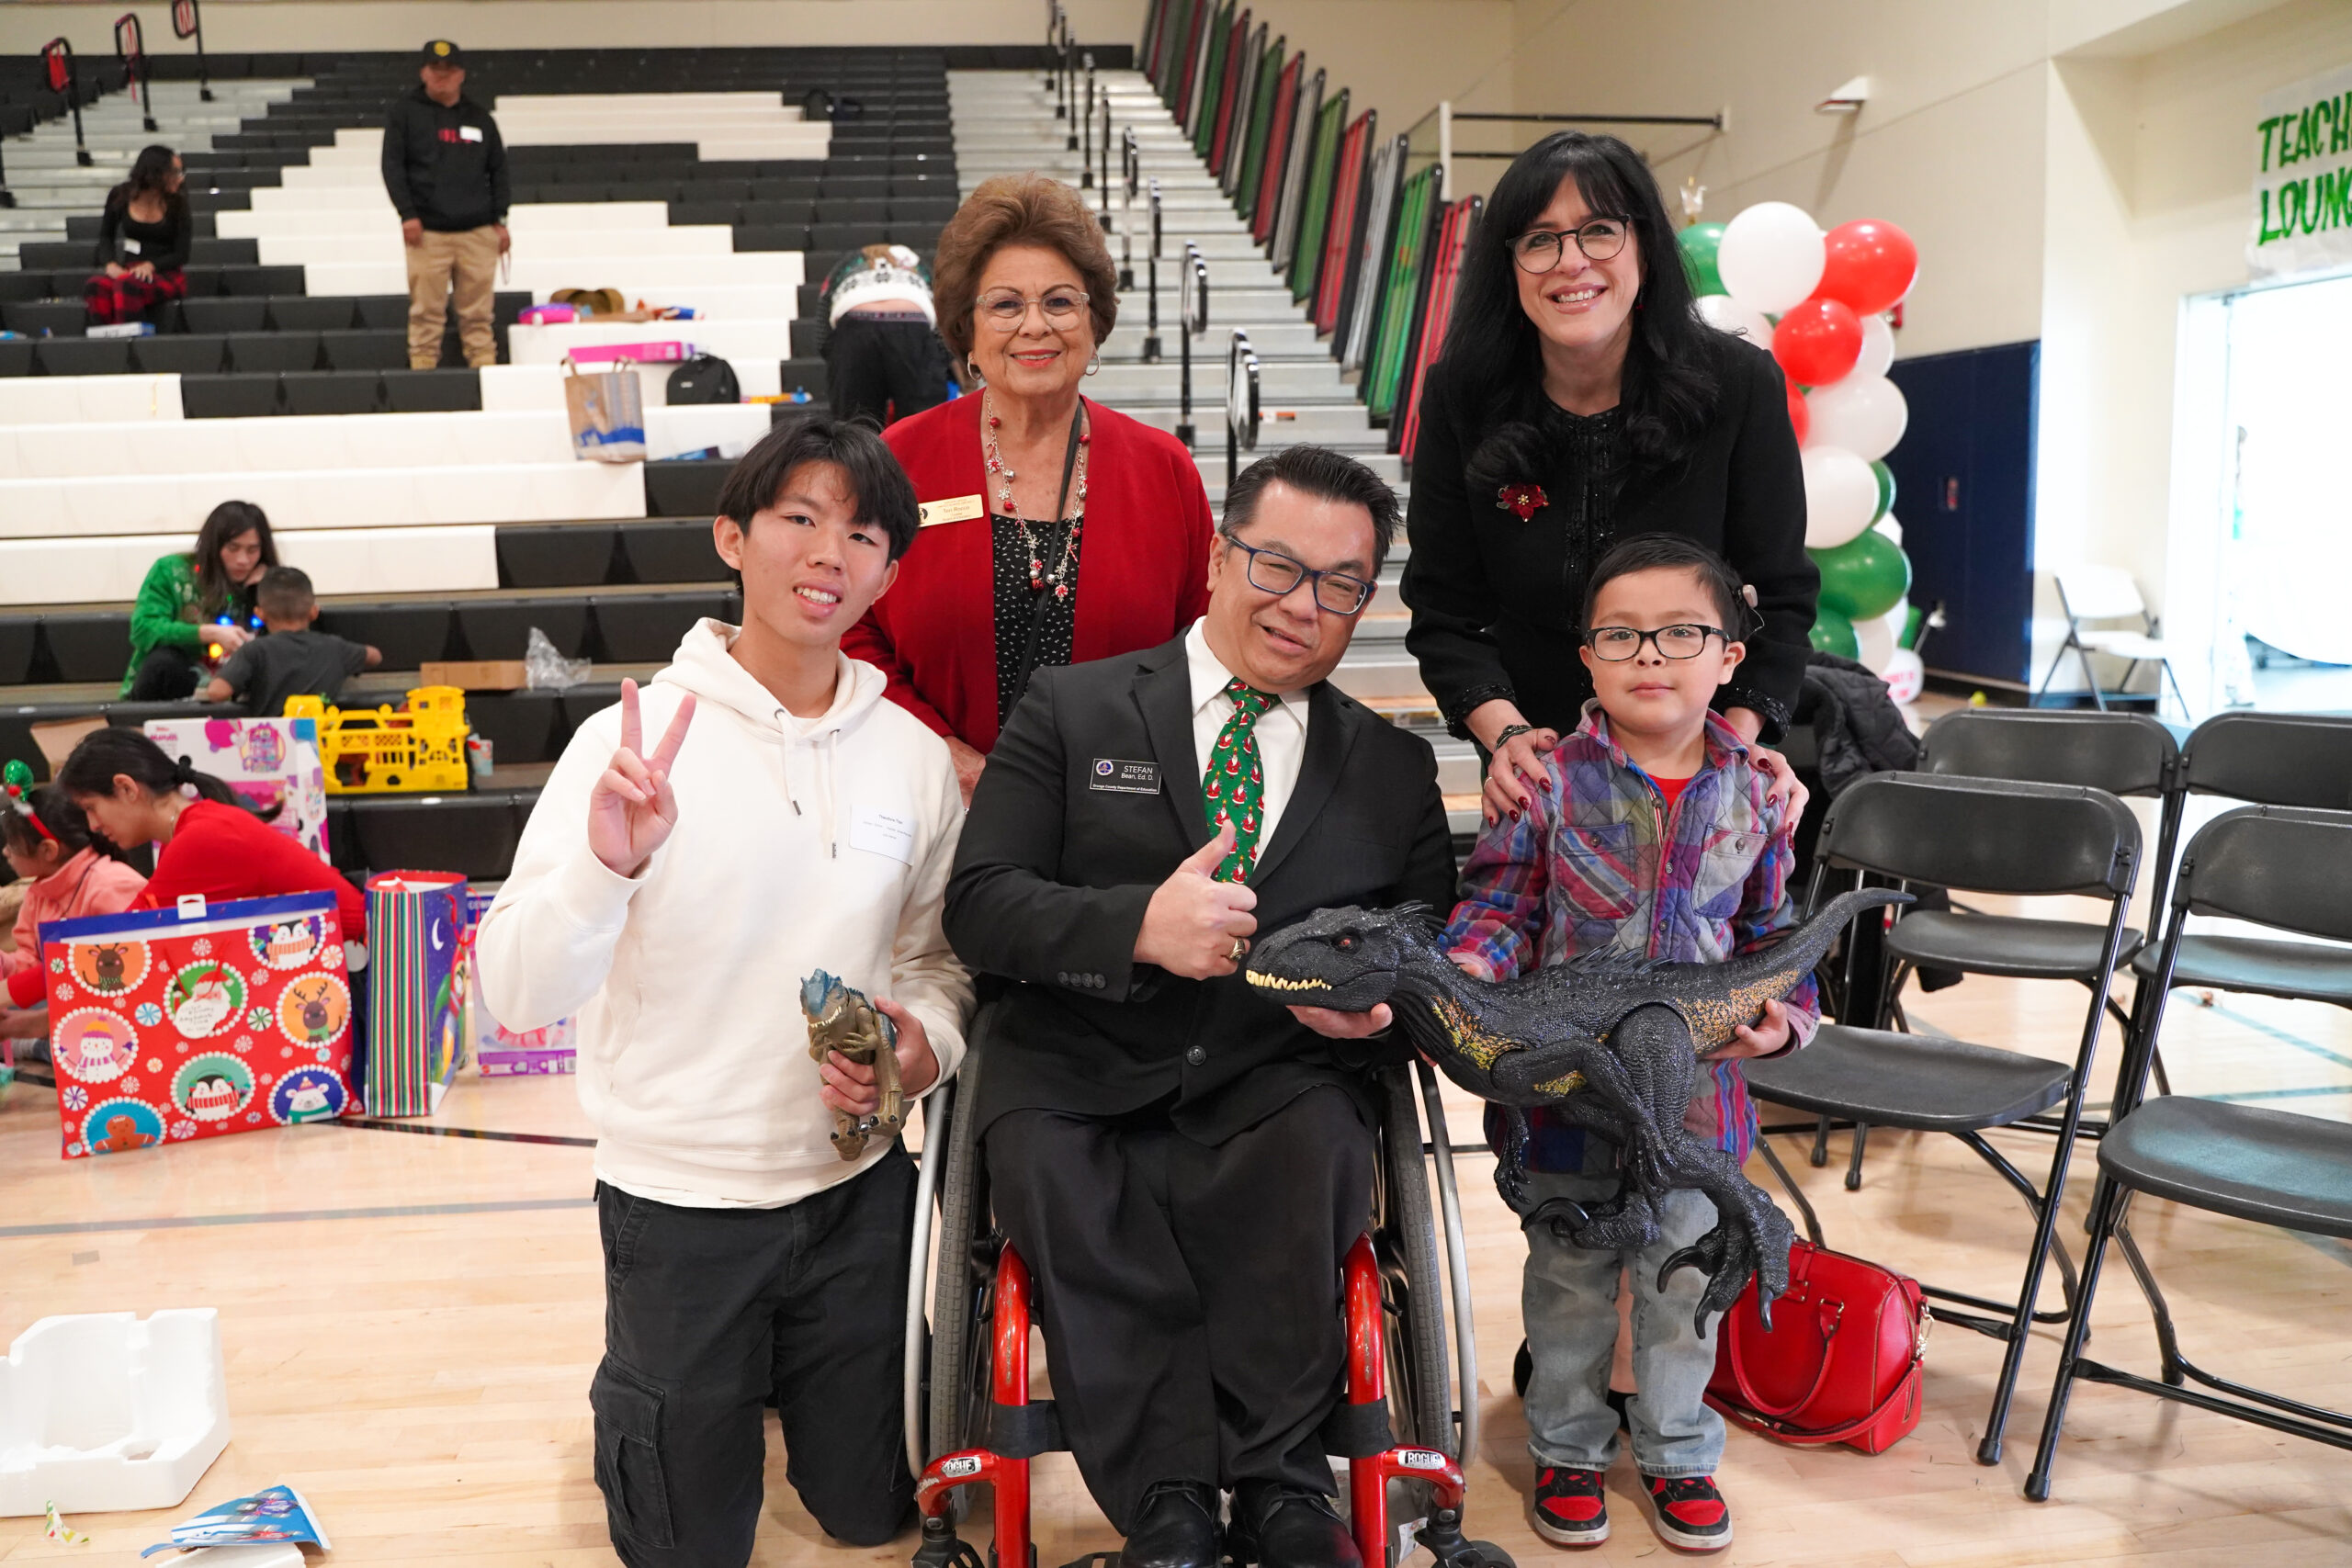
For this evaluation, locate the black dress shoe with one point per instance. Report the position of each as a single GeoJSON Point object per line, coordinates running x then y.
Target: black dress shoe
{"type": "Point", "coordinates": [1281, 1526]}
{"type": "Point", "coordinates": [1175, 1527]}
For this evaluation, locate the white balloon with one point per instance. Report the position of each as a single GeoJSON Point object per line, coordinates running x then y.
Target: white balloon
{"type": "Point", "coordinates": [1904, 676]}
{"type": "Point", "coordinates": [1840, 493]}
{"type": "Point", "coordinates": [1726, 314]}
{"type": "Point", "coordinates": [1878, 347]}
{"type": "Point", "coordinates": [1771, 256]}
{"type": "Point", "coordinates": [1891, 528]}
{"type": "Point", "coordinates": [1865, 415]}
{"type": "Point", "coordinates": [1876, 640]}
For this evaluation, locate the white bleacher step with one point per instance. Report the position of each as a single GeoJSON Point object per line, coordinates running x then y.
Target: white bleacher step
{"type": "Point", "coordinates": [1344, 425]}
{"type": "Point", "coordinates": [446, 444]}
{"type": "Point", "coordinates": [1208, 456]}
{"type": "Point", "coordinates": [1384, 671]}
{"type": "Point", "coordinates": [434, 559]}
{"type": "Point", "coordinates": [1292, 338]}
{"type": "Point", "coordinates": [1216, 244]}
{"type": "Point", "coordinates": [1279, 381]}
{"type": "Point", "coordinates": [52, 509]}
{"type": "Point", "coordinates": [718, 132]}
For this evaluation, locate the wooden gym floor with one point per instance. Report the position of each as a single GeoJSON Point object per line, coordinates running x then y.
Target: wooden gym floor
{"type": "Point", "coordinates": [410, 1323]}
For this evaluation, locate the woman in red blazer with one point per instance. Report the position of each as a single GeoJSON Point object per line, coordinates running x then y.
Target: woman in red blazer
{"type": "Point", "coordinates": [1055, 531]}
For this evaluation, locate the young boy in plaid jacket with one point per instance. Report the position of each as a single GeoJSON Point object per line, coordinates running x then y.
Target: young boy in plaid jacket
{"type": "Point", "coordinates": [1651, 833]}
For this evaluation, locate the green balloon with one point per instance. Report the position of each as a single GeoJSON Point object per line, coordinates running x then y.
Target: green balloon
{"type": "Point", "coordinates": [1700, 242]}
{"type": "Point", "coordinates": [1885, 489]}
{"type": "Point", "coordinates": [1863, 577]}
{"type": "Point", "coordinates": [1833, 633]}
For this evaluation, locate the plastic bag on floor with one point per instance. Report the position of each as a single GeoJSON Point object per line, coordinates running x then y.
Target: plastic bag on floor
{"type": "Point", "coordinates": [547, 670]}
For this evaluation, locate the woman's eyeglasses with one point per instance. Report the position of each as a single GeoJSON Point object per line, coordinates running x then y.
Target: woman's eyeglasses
{"type": "Point", "coordinates": [1617, 644]}
{"type": "Point", "coordinates": [1271, 571]}
{"type": "Point", "coordinates": [1006, 308]}
{"type": "Point", "coordinates": [1538, 250]}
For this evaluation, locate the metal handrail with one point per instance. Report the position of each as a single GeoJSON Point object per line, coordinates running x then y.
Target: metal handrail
{"type": "Point", "coordinates": [1086, 130]}
{"type": "Point", "coordinates": [1069, 86]}
{"type": "Point", "coordinates": [188, 21]}
{"type": "Point", "coordinates": [134, 65]}
{"type": "Point", "coordinates": [1242, 414]}
{"type": "Point", "coordinates": [1151, 349]}
{"type": "Point", "coordinates": [1104, 142]}
{"type": "Point", "coordinates": [1193, 318]}
{"type": "Point", "coordinates": [1130, 163]}
{"type": "Point", "coordinates": [57, 54]}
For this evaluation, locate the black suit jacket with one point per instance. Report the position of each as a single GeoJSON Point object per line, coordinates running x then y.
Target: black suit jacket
{"type": "Point", "coordinates": [1054, 873]}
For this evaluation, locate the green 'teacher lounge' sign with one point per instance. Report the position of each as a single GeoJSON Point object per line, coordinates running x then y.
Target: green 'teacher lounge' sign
{"type": "Point", "coordinates": [2303, 180]}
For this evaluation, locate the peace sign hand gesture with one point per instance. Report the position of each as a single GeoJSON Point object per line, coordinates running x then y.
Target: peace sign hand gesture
{"type": "Point", "coordinates": [632, 809]}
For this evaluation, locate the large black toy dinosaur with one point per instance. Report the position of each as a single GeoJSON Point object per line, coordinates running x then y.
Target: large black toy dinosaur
{"type": "Point", "coordinates": [1614, 1044]}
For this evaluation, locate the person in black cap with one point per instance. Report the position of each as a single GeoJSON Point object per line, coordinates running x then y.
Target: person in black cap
{"type": "Point", "coordinates": [445, 169]}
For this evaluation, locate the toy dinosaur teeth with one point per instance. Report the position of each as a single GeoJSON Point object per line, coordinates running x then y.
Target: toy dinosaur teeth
{"type": "Point", "coordinates": [1276, 983]}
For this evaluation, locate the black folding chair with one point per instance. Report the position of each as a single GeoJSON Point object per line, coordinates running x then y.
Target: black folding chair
{"type": "Point", "coordinates": [2288, 869]}
{"type": "Point", "coordinates": [1982, 836]}
{"type": "Point", "coordinates": [2124, 754]}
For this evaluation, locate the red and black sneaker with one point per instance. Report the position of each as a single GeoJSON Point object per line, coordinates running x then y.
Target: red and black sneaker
{"type": "Point", "coordinates": [1570, 1507]}
{"type": "Point", "coordinates": [1691, 1512]}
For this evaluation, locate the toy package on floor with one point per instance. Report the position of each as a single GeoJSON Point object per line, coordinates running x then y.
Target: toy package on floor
{"type": "Point", "coordinates": [197, 1021]}
{"type": "Point", "coordinates": [276, 1514]}
{"type": "Point", "coordinates": [500, 1052]}
{"type": "Point", "coordinates": [416, 924]}
{"type": "Point", "coordinates": [272, 763]}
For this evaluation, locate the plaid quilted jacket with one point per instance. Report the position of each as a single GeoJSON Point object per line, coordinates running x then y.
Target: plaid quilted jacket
{"type": "Point", "coordinates": [1600, 865]}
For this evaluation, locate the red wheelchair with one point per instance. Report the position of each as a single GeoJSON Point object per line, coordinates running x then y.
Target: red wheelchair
{"type": "Point", "coordinates": [971, 1422]}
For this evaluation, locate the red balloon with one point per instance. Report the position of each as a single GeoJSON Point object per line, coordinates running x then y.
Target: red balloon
{"type": "Point", "coordinates": [1817, 342]}
{"type": "Point", "coordinates": [1871, 265]}
{"type": "Point", "coordinates": [1800, 411]}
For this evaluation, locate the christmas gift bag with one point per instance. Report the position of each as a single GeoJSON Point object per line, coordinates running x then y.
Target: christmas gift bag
{"type": "Point", "coordinates": [272, 763]}
{"type": "Point", "coordinates": [607, 412]}
{"type": "Point", "coordinates": [416, 922]}
{"type": "Point", "coordinates": [169, 1025]}
{"type": "Point", "coordinates": [498, 1051]}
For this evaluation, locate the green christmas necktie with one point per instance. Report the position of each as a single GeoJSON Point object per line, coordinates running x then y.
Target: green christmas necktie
{"type": "Point", "coordinates": [1233, 788]}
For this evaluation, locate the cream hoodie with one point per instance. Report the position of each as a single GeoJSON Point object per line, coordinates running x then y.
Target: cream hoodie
{"type": "Point", "coordinates": [799, 846]}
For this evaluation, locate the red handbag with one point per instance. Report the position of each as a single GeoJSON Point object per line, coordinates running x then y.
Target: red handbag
{"type": "Point", "coordinates": [1841, 1363]}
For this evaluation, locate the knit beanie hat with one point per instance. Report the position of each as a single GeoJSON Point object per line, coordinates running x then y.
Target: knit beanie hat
{"type": "Point", "coordinates": [880, 274]}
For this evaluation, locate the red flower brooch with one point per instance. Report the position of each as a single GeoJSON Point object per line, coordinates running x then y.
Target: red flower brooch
{"type": "Point", "coordinates": [1524, 499]}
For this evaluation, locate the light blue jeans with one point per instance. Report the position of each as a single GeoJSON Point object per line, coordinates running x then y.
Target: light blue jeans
{"type": "Point", "coordinates": [1569, 1300]}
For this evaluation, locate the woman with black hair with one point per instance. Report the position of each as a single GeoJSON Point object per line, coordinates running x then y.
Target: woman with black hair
{"type": "Point", "coordinates": [68, 876]}
{"type": "Point", "coordinates": [194, 610]}
{"type": "Point", "coordinates": [144, 237]}
{"type": "Point", "coordinates": [1581, 400]}
{"type": "Point", "coordinates": [134, 794]}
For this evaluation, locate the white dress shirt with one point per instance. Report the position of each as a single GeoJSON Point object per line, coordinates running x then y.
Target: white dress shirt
{"type": "Point", "coordinates": [1280, 730]}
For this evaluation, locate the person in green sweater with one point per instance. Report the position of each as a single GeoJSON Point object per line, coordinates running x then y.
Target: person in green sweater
{"type": "Point", "coordinates": [178, 625]}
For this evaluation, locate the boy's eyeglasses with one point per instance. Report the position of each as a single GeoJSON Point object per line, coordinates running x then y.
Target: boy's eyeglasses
{"type": "Point", "coordinates": [1006, 308]}
{"type": "Point", "coordinates": [1271, 571]}
{"type": "Point", "coordinates": [1539, 250]}
{"type": "Point", "coordinates": [1617, 644]}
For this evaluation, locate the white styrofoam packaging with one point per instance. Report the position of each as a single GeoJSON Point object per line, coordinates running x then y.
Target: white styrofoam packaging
{"type": "Point", "coordinates": [100, 1412]}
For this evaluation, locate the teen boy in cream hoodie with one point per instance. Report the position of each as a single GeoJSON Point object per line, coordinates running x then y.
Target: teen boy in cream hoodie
{"type": "Point", "coordinates": [789, 819]}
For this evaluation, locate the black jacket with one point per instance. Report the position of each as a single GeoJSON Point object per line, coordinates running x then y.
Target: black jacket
{"type": "Point", "coordinates": [1053, 875]}
{"type": "Point", "coordinates": [434, 172]}
{"type": "Point", "coordinates": [1496, 602]}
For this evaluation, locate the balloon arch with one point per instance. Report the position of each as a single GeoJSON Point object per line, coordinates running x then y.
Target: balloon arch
{"type": "Point", "coordinates": [1818, 302]}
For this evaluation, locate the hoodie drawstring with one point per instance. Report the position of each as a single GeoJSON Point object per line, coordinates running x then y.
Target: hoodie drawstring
{"type": "Point", "coordinates": [826, 747]}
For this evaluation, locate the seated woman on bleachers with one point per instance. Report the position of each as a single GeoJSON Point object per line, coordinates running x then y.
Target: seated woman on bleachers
{"type": "Point", "coordinates": [143, 242]}
{"type": "Point", "coordinates": [191, 606]}
{"type": "Point", "coordinates": [1055, 531]}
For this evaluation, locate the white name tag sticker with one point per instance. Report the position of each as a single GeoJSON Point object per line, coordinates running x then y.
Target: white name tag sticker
{"type": "Point", "coordinates": [879, 832]}
{"type": "Point", "coordinates": [130, 246]}
{"type": "Point", "coordinates": [470, 133]}
{"type": "Point", "coordinates": [957, 509]}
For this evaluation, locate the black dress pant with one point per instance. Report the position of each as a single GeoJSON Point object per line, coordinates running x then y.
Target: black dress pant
{"type": "Point", "coordinates": [706, 1311]}
{"type": "Point", "coordinates": [1189, 1295]}
{"type": "Point", "coordinates": [166, 675]}
{"type": "Point", "coordinates": [883, 370]}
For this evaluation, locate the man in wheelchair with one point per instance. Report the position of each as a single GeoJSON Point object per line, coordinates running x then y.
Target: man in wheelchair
{"type": "Point", "coordinates": [1182, 1166]}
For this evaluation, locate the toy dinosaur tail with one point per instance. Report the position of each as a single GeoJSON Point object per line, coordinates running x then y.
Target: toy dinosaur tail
{"type": "Point", "coordinates": [1796, 954]}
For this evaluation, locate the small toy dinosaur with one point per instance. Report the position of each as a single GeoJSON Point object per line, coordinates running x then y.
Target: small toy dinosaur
{"type": "Point", "coordinates": [1613, 1044]}
{"type": "Point", "coordinates": [841, 1018]}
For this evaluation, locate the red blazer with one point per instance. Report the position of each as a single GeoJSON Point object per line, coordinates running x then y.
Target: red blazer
{"type": "Point", "coordinates": [1142, 565]}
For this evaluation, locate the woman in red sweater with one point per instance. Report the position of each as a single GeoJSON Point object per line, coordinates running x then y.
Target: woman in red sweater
{"type": "Point", "coordinates": [135, 794]}
{"type": "Point", "coordinates": [1055, 531]}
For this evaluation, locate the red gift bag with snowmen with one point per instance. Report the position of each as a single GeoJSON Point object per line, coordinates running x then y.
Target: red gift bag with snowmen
{"type": "Point", "coordinates": [169, 1025]}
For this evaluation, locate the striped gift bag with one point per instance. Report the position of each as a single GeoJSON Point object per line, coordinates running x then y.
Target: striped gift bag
{"type": "Point", "coordinates": [416, 921]}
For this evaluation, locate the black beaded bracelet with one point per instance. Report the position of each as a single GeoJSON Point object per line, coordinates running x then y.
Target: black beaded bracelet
{"type": "Point", "coordinates": [1509, 732]}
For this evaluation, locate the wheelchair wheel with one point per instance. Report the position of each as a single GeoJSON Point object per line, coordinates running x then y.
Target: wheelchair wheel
{"type": "Point", "coordinates": [1412, 1290]}
{"type": "Point", "coordinates": [959, 1301]}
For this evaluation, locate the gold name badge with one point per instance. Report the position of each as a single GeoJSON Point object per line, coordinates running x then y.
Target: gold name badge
{"type": "Point", "coordinates": [956, 509]}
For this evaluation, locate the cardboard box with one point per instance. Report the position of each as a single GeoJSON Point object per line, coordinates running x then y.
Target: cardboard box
{"type": "Point", "coordinates": [58, 737]}
{"type": "Point", "coordinates": [476, 675]}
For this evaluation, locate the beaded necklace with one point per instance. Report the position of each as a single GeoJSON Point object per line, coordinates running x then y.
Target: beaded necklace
{"type": "Point", "coordinates": [1039, 580]}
